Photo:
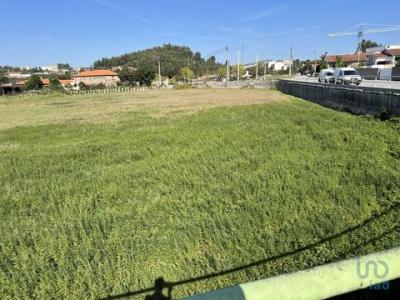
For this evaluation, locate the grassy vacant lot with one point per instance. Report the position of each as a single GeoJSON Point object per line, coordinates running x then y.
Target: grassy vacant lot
{"type": "Point", "coordinates": [102, 194]}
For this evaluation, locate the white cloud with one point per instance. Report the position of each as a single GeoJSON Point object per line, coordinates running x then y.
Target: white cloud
{"type": "Point", "coordinates": [225, 28]}
{"type": "Point", "coordinates": [266, 13]}
{"type": "Point", "coordinates": [120, 8]}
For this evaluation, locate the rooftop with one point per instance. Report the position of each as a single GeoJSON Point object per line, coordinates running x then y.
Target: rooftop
{"type": "Point", "coordinates": [347, 58]}
{"type": "Point", "coordinates": [95, 73]}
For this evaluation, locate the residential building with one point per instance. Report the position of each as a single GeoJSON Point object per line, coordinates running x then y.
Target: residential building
{"type": "Point", "coordinates": [348, 60]}
{"type": "Point", "coordinates": [18, 75]}
{"type": "Point", "coordinates": [50, 69]}
{"type": "Point", "coordinates": [279, 65]}
{"type": "Point", "coordinates": [94, 77]}
{"type": "Point", "coordinates": [65, 83]}
{"type": "Point", "coordinates": [383, 57]}
{"type": "Point", "coordinates": [377, 57]}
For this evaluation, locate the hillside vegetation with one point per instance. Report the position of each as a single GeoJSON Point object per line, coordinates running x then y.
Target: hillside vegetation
{"type": "Point", "coordinates": [100, 195]}
{"type": "Point", "coordinates": [172, 58]}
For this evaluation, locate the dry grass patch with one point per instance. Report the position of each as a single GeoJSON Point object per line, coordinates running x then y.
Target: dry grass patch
{"type": "Point", "coordinates": [97, 108]}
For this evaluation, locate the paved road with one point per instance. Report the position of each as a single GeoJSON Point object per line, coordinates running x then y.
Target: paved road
{"type": "Point", "coordinates": [367, 83]}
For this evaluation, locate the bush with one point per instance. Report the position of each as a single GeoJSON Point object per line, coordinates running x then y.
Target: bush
{"type": "Point", "coordinates": [34, 83]}
{"type": "Point", "coordinates": [82, 86]}
{"type": "Point", "coordinates": [54, 83]}
{"type": "Point", "coordinates": [186, 86]}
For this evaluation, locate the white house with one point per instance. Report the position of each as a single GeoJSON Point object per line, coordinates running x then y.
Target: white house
{"type": "Point", "coordinates": [279, 65]}
{"type": "Point", "coordinates": [383, 57]}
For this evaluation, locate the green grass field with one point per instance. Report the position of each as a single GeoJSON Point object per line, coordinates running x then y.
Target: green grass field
{"type": "Point", "coordinates": [102, 194]}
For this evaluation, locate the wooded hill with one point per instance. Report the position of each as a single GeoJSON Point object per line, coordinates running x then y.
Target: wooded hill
{"type": "Point", "coordinates": [173, 58]}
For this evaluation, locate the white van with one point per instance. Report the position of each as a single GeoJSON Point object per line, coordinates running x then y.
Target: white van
{"type": "Point", "coordinates": [346, 76]}
{"type": "Point", "coordinates": [325, 75]}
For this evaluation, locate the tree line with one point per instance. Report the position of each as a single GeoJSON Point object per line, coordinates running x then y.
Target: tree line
{"type": "Point", "coordinates": [142, 66]}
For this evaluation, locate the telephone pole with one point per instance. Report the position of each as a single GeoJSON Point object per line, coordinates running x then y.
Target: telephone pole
{"type": "Point", "coordinates": [265, 69]}
{"type": "Point", "coordinates": [291, 61]}
{"type": "Point", "coordinates": [315, 62]}
{"type": "Point", "coordinates": [238, 66]}
{"type": "Point", "coordinates": [257, 67]}
{"type": "Point", "coordinates": [243, 55]}
{"type": "Point", "coordinates": [227, 64]}
{"type": "Point", "coordinates": [159, 71]}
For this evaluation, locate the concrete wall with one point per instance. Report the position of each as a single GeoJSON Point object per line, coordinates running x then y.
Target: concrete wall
{"type": "Point", "coordinates": [396, 74]}
{"type": "Point", "coordinates": [368, 73]}
{"type": "Point", "coordinates": [358, 100]}
{"type": "Point", "coordinates": [257, 84]}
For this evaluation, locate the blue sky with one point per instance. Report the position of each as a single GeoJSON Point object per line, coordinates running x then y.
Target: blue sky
{"type": "Point", "coordinates": [45, 32]}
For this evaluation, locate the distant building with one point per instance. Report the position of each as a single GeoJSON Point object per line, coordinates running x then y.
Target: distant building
{"type": "Point", "coordinates": [45, 82]}
{"type": "Point", "coordinates": [275, 65]}
{"type": "Point", "coordinates": [279, 65]}
{"type": "Point", "coordinates": [377, 57]}
{"type": "Point", "coordinates": [50, 69]}
{"type": "Point", "coordinates": [383, 57]}
{"type": "Point", "coordinates": [348, 60]}
{"type": "Point", "coordinates": [18, 75]}
{"type": "Point", "coordinates": [65, 83]}
{"type": "Point", "coordinates": [94, 77]}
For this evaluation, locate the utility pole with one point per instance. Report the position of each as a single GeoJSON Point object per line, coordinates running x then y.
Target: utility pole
{"type": "Point", "coordinates": [257, 67]}
{"type": "Point", "coordinates": [266, 57]}
{"type": "Point", "coordinates": [227, 64]}
{"type": "Point", "coordinates": [265, 69]}
{"type": "Point", "coordinates": [159, 70]}
{"type": "Point", "coordinates": [238, 66]}
{"type": "Point", "coordinates": [315, 62]}
{"type": "Point", "coordinates": [243, 55]}
{"type": "Point", "coordinates": [291, 61]}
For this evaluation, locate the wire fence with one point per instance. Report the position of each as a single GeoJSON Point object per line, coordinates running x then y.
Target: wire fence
{"type": "Point", "coordinates": [87, 92]}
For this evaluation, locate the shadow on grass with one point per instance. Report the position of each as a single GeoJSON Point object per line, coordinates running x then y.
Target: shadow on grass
{"type": "Point", "coordinates": [161, 284]}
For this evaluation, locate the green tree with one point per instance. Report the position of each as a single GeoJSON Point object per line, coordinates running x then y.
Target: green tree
{"type": "Point", "coordinates": [365, 44]}
{"type": "Point", "coordinates": [221, 72]}
{"type": "Point", "coordinates": [235, 68]}
{"type": "Point", "coordinates": [339, 62]}
{"type": "Point", "coordinates": [34, 83]}
{"type": "Point", "coordinates": [3, 77]}
{"type": "Point", "coordinates": [127, 75]}
{"type": "Point", "coordinates": [323, 66]}
{"type": "Point", "coordinates": [145, 73]}
{"type": "Point", "coordinates": [212, 65]}
{"type": "Point", "coordinates": [187, 74]}
{"type": "Point", "coordinates": [82, 86]}
{"type": "Point", "coordinates": [54, 83]}
{"type": "Point", "coordinates": [63, 66]}
{"type": "Point", "coordinates": [172, 58]}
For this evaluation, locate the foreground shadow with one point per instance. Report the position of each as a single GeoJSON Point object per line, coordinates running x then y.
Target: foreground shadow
{"type": "Point", "coordinates": [161, 284]}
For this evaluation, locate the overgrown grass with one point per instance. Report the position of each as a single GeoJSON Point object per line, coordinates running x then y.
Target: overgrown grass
{"type": "Point", "coordinates": [102, 208]}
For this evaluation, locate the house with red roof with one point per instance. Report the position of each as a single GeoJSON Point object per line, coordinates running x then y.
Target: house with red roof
{"type": "Point", "coordinates": [348, 60]}
{"type": "Point", "coordinates": [95, 77]}
{"type": "Point", "coordinates": [377, 57]}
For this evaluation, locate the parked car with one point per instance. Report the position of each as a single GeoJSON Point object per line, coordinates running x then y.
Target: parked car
{"type": "Point", "coordinates": [325, 75]}
{"type": "Point", "coordinates": [346, 76]}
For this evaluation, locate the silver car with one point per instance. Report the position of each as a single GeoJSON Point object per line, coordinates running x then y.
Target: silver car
{"type": "Point", "coordinates": [325, 75]}
{"type": "Point", "coordinates": [346, 76]}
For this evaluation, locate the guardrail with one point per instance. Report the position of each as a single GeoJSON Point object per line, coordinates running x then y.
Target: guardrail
{"type": "Point", "coordinates": [317, 283]}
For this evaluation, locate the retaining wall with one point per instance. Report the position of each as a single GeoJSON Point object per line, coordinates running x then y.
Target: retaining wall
{"type": "Point", "coordinates": [257, 84]}
{"type": "Point", "coordinates": [358, 100]}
